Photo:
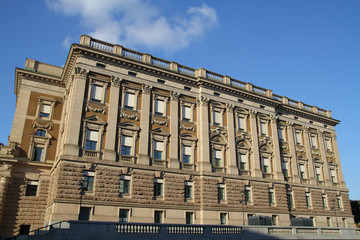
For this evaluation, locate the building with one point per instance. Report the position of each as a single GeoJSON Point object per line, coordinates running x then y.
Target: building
{"type": "Point", "coordinates": [118, 135]}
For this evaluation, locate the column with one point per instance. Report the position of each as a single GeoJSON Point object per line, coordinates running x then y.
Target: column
{"type": "Point", "coordinates": [276, 148]}
{"type": "Point", "coordinates": [309, 154]}
{"type": "Point", "coordinates": [110, 148]}
{"type": "Point", "coordinates": [203, 134]}
{"type": "Point", "coordinates": [292, 147]}
{"type": "Point", "coordinates": [5, 174]}
{"type": "Point", "coordinates": [338, 162]}
{"type": "Point", "coordinates": [71, 143]}
{"type": "Point", "coordinates": [144, 157]}
{"type": "Point", "coordinates": [174, 130]}
{"type": "Point", "coordinates": [255, 165]}
{"type": "Point", "coordinates": [233, 169]}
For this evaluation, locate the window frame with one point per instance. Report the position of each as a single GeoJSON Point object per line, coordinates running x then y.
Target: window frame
{"type": "Point", "coordinates": [308, 199]}
{"type": "Point", "coordinates": [158, 188]}
{"type": "Point", "coordinates": [187, 104]}
{"type": "Point", "coordinates": [188, 185]}
{"type": "Point", "coordinates": [29, 191]}
{"type": "Point", "coordinates": [125, 184]}
{"type": "Point", "coordinates": [221, 192]}
{"type": "Point", "coordinates": [220, 108]}
{"type": "Point", "coordinates": [39, 142]}
{"type": "Point", "coordinates": [103, 83]}
{"type": "Point", "coordinates": [272, 197]}
{"type": "Point", "coordinates": [87, 175]}
{"type": "Point", "coordinates": [165, 100]}
{"type": "Point", "coordinates": [42, 100]}
{"type": "Point", "coordinates": [124, 210]}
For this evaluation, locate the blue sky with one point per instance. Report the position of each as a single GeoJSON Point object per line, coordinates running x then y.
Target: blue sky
{"type": "Point", "coordinates": [305, 50]}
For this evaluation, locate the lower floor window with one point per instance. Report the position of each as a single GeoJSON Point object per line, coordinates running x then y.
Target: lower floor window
{"type": "Point", "coordinates": [189, 217]}
{"type": "Point", "coordinates": [24, 229]}
{"type": "Point", "coordinates": [37, 154]}
{"type": "Point", "coordinates": [124, 215]}
{"type": "Point", "coordinates": [223, 218]}
{"type": "Point", "coordinates": [158, 216]}
{"type": "Point", "coordinates": [84, 213]}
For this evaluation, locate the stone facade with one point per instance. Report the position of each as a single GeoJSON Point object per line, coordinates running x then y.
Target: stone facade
{"type": "Point", "coordinates": [115, 129]}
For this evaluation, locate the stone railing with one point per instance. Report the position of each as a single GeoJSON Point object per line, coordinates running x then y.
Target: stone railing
{"type": "Point", "coordinates": [201, 72]}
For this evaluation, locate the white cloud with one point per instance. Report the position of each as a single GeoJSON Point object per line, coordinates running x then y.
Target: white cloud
{"type": "Point", "coordinates": [67, 42]}
{"type": "Point", "coordinates": [136, 23]}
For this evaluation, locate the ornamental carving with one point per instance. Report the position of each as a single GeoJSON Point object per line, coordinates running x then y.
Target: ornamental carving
{"type": "Point", "coordinates": [115, 81]}
{"type": "Point", "coordinates": [242, 137]}
{"type": "Point", "coordinates": [273, 118]}
{"type": "Point", "coordinates": [187, 128]}
{"type": "Point", "coordinates": [284, 147]}
{"type": "Point", "coordinates": [306, 129]}
{"type": "Point", "coordinates": [202, 101]}
{"type": "Point", "coordinates": [218, 131]}
{"type": "Point", "coordinates": [252, 113]}
{"type": "Point", "coordinates": [134, 116]}
{"type": "Point", "coordinates": [42, 124]}
{"type": "Point", "coordinates": [81, 71]}
{"type": "Point", "coordinates": [160, 122]}
{"type": "Point", "coordinates": [101, 109]}
{"type": "Point", "coordinates": [174, 95]}
{"type": "Point", "coordinates": [230, 107]}
{"type": "Point", "coordinates": [146, 88]}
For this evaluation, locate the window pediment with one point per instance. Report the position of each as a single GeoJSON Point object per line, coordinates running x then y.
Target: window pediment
{"type": "Point", "coordinates": [160, 131]}
{"type": "Point", "coordinates": [129, 126]}
{"type": "Point", "coordinates": [94, 119]}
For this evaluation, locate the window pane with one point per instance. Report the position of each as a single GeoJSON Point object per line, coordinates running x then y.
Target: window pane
{"type": "Point", "coordinates": [263, 128]}
{"type": "Point", "coordinates": [281, 133]}
{"type": "Point", "coordinates": [158, 216]}
{"type": "Point", "coordinates": [37, 154]}
{"type": "Point", "coordinates": [189, 218]}
{"type": "Point", "coordinates": [40, 133]}
{"type": "Point", "coordinates": [186, 113]}
{"type": "Point", "coordinates": [92, 135]}
{"type": "Point", "coordinates": [96, 93]}
{"type": "Point", "coordinates": [159, 107]}
{"type": "Point", "coordinates": [241, 123]}
{"type": "Point", "coordinates": [44, 110]}
{"type": "Point", "coordinates": [84, 213]}
{"type": "Point", "coordinates": [298, 138]}
{"type": "Point", "coordinates": [216, 116]}
{"type": "Point", "coordinates": [129, 100]}
{"type": "Point", "coordinates": [123, 215]}
{"type": "Point", "coordinates": [88, 183]}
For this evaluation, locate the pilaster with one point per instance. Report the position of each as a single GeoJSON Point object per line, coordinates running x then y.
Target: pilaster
{"type": "Point", "coordinates": [174, 130]}
{"type": "Point", "coordinates": [231, 139]}
{"type": "Point", "coordinates": [292, 148]}
{"type": "Point", "coordinates": [255, 165]}
{"type": "Point", "coordinates": [309, 155]}
{"type": "Point", "coordinates": [276, 148]}
{"type": "Point", "coordinates": [144, 157]}
{"type": "Point", "coordinates": [203, 134]}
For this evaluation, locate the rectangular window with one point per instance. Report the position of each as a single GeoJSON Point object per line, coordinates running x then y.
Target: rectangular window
{"type": "Point", "coordinates": [158, 187]}
{"type": "Point", "coordinates": [263, 128]}
{"type": "Point", "coordinates": [271, 197]}
{"type": "Point", "coordinates": [96, 93]}
{"type": "Point", "coordinates": [31, 188]}
{"type": "Point", "coordinates": [313, 141]}
{"type": "Point", "coordinates": [241, 123]}
{"type": "Point", "coordinates": [281, 133]}
{"type": "Point", "coordinates": [125, 184]}
{"type": "Point", "coordinates": [302, 171]}
{"type": "Point", "coordinates": [123, 215]}
{"type": "Point", "coordinates": [333, 176]}
{"type": "Point", "coordinates": [318, 173]}
{"type": "Point", "coordinates": [298, 138]}
{"type": "Point", "coordinates": [223, 217]}
{"type": "Point", "coordinates": [158, 216]}
{"type": "Point", "coordinates": [274, 219]}
{"type": "Point", "coordinates": [189, 218]}
{"type": "Point", "coordinates": [344, 222]}
{"type": "Point", "coordinates": [84, 213]}
{"type": "Point", "coordinates": [308, 200]}
{"type": "Point", "coordinates": [24, 229]}
{"type": "Point", "coordinates": [243, 165]}
{"type": "Point", "coordinates": [216, 116]}
{"type": "Point", "coordinates": [186, 154]}
{"type": "Point", "coordinates": [159, 107]}
{"type": "Point", "coordinates": [328, 144]}
{"type": "Point", "coordinates": [324, 202]}
{"type": "Point", "coordinates": [217, 158]}
{"type": "Point", "coordinates": [285, 169]}
{"type": "Point", "coordinates": [186, 113]}
{"type": "Point", "coordinates": [247, 193]}
{"type": "Point", "coordinates": [91, 140]}
{"type": "Point", "coordinates": [37, 154]}
{"type": "Point", "coordinates": [158, 150]}
{"type": "Point", "coordinates": [338, 197]}
{"type": "Point", "coordinates": [266, 165]}
{"type": "Point", "coordinates": [328, 220]}
{"type": "Point", "coordinates": [126, 145]}
{"type": "Point", "coordinates": [290, 199]}
{"type": "Point", "coordinates": [188, 190]}
{"type": "Point", "coordinates": [44, 111]}
{"type": "Point", "coordinates": [89, 180]}
{"type": "Point", "coordinates": [129, 100]}
{"type": "Point", "coordinates": [221, 192]}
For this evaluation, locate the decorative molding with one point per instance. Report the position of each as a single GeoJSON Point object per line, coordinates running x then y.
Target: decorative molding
{"type": "Point", "coordinates": [187, 128]}
{"type": "Point", "coordinates": [230, 107]}
{"type": "Point", "coordinates": [306, 129]}
{"type": "Point", "coordinates": [146, 88]}
{"type": "Point", "coordinates": [81, 71]}
{"type": "Point", "coordinates": [174, 95]}
{"type": "Point", "coordinates": [289, 125]}
{"type": "Point", "coordinates": [334, 136]}
{"type": "Point", "coordinates": [42, 124]}
{"type": "Point", "coordinates": [252, 113]}
{"type": "Point", "coordinates": [116, 81]}
{"type": "Point", "coordinates": [218, 131]}
{"type": "Point", "coordinates": [320, 132]}
{"type": "Point", "coordinates": [134, 116]}
{"type": "Point", "coordinates": [160, 122]}
{"type": "Point", "coordinates": [202, 101]}
{"type": "Point", "coordinates": [101, 109]}
{"type": "Point", "coordinates": [273, 118]}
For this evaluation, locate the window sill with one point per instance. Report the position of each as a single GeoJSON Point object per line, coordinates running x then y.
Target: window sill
{"type": "Point", "coordinates": [127, 158]}
{"type": "Point", "coordinates": [91, 153]}
{"type": "Point", "coordinates": [188, 166]}
{"type": "Point", "coordinates": [159, 162]}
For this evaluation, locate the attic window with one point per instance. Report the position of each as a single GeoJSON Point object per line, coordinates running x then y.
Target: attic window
{"type": "Point", "coordinates": [132, 74]}
{"type": "Point", "coordinates": [240, 100]}
{"type": "Point", "coordinates": [187, 88]}
{"type": "Point", "coordinates": [99, 65]}
{"type": "Point", "coordinates": [161, 81]}
{"type": "Point", "coordinates": [217, 94]}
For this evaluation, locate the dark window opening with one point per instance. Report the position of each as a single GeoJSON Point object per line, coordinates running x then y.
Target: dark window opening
{"type": "Point", "coordinates": [99, 65]}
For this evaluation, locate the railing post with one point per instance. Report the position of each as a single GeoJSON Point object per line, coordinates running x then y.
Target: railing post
{"type": "Point", "coordinates": [269, 93]}
{"type": "Point", "coordinates": [201, 72]}
{"type": "Point", "coordinates": [174, 66]}
{"type": "Point", "coordinates": [226, 80]}
{"type": "Point", "coordinates": [249, 87]}
{"type": "Point", "coordinates": [328, 113]}
{"type": "Point", "coordinates": [301, 105]}
{"type": "Point", "coordinates": [315, 109]}
{"type": "Point", "coordinates": [117, 49]}
{"type": "Point", "coordinates": [285, 100]}
{"type": "Point", "coordinates": [85, 40]}
{"type": "Point", "coordinates": [147, 58]}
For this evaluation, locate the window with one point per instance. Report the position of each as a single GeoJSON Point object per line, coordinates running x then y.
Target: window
{"type": "Point", "coordinates": [158, 216]}
{"type": "Point", "coordinates": [308, 200]}
{"type": "Point", "coordinates": [158, 187]}
{"type": "Point", "coordinates": [159, 107]}
{"type": "Point", "coordinates": [241, 123]}
{"type": "Point", "coordinates": [217, 158]}
{"type": "Point", "coordinates": [313, 141]}
{"type": "Point", "coordinates": [284, 168]}
{"type": "Point", "coordinates": [44, 111]}
{"type": "Point", "coordinates": [216, 118]}
{"type": "Point", "coordinates": [91, 140]}
{"type": "Point", "coordinates": [221, 192]}
{"type": "Point", "coordinates": [189, 217]}
{"type": "Point", "coordinates": [37, 154]}
{"type": "Point", "coordinates": [96, 94]}
{"type": "Point", "coordinates": [40, 133]}
{"type": "Point", "coordinates": [344, 222]}
{"type": "Point", "coordinates": [123, 215]}
{"type": "Point", "coordinates": [324, 201]}
{"type": "Point", "coordinates": [188, 190]}
{"type": "Point", "coordinates": [281, 132]}
{"type": "Point", "coordinates": [266, 165]}
{"type": "Point", "coordinates": [84, 213]}
{"type": "Point", "coordinates": [318, 173]}
{"type": "Point", "coordinates": [263, 128]}
{"type": "Point", "coordinates": [328, 220]}
{"type": "Point", "coordinates": [271, 197]}
{"type": "Point", "coordinates": [338, 198]}
{"type": "Point", "coordinates": [274, 219]}
{"type": "Point", "coordinates": [158, 150]}
{"type": "Point", "coordinates": [126, 145]}
{"type": "Point", "coordinates": [247, 195]}
{"type": "Point", "coordinates": [187, 154]}
{"type": "Point", "coordinates": [31, 188]}
{"type": "Point", "coordinates": [24, 229]}
{"type": "Point", "coordinates": [333, 176]}
{"type": "Point", "coordinates": [243, 162]}
{"type": "Point", "coordinates": [125, 184]}
{"type": "Point", "coordinates": [129, 100]}
{"type": "Point", "coordinates": [328, 144]}
{"type": "Point", "coordinates": [290, 200]}
{"type": "Point", "coordinates": [88, 180]}
{"type": "Point", "coordinates": [186, 113]}
{"type": "Point", "coordinates": [302, 171]}
{"type": "Point", "coordinates": [298, 138]}
{"type": "Point", "coordinates": [223, 217]}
